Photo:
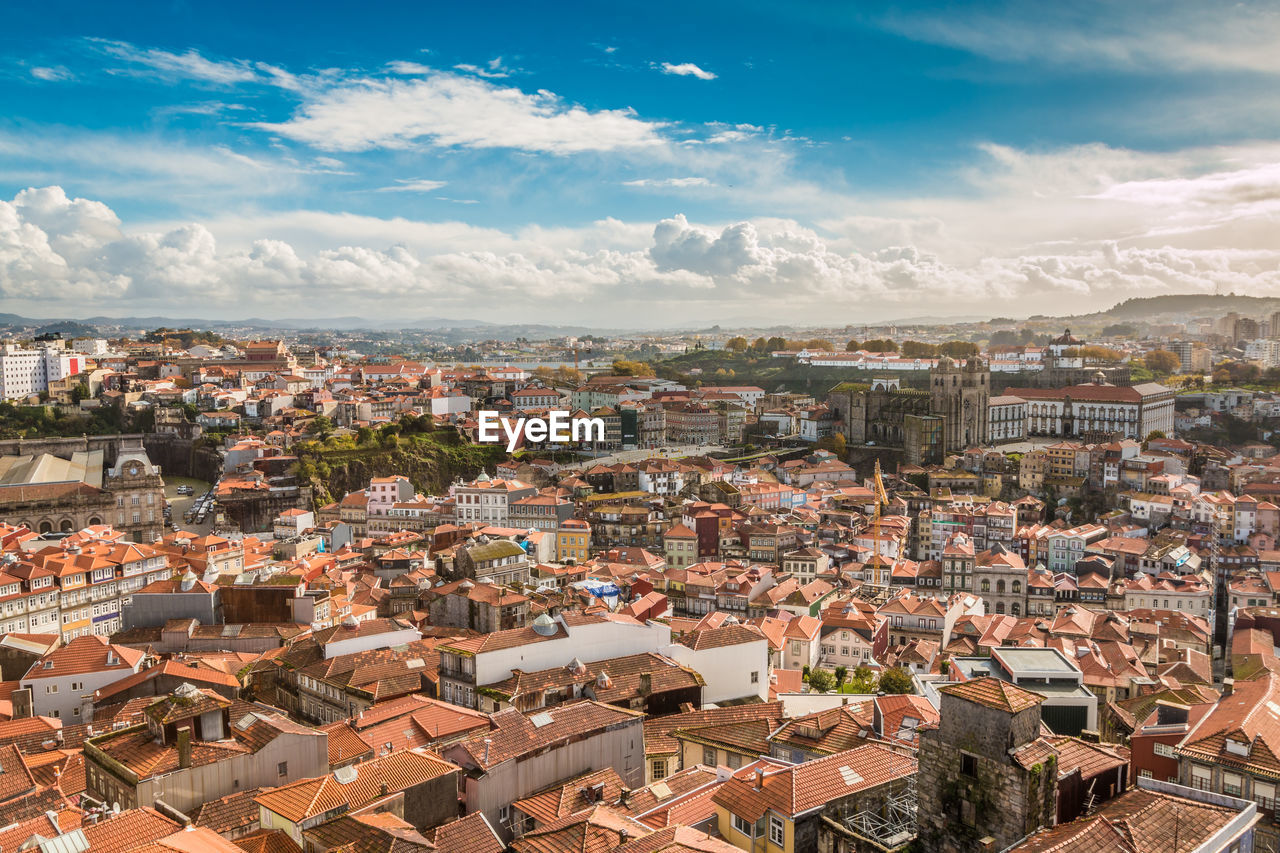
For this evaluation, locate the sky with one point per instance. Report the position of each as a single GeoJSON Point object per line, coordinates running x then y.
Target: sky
{"type": "Point", "coordinates": [634, 166]}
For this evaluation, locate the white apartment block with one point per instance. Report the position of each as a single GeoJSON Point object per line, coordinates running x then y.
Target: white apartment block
{"type": "Point", "coordinates": [24, 372]}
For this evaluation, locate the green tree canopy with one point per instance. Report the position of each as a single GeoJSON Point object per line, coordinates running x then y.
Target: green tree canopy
{"type": "Point", "coordinates": [896, 680]}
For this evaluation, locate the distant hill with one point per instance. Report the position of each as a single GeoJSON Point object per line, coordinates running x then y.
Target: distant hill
{"type": "Point", "coordinates": [1174, 306]}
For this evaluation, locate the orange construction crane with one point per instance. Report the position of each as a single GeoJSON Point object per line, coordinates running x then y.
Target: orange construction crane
{"type": "Point", "coordinates": [882, 498]}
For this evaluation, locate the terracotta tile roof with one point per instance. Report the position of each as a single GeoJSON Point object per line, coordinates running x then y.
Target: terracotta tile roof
{"type": "Point", "coordinates": [197, 675]}
{"type": "Point", "coordinates": [470, 834]}
{"type": "Point", "coordinates": [803, 787]}
{"type": "Point", "coordinates": [29, 734]}
{"type": "Point", "coordinates": [14, 836]}
{"type": "Point", "coordinates": [599, 829]}
{"type": "Point", "coordinates": [566, 798]}
{"type": "Point", "coordinates": [268, 841]}
{"type": "Point", "coordinates": [344, 743]}
{"type": "Point", "coordinates": [658, 739]}
{"type": "Point", "coordinates": [1249, 717]}
{"type": "Point", "coordinates": [611, 680]}
{"type": "Point", "coordinates": [726, 635]}
{"type": "Point", "coordinates": [750, 737]}
{"type": "Point", "coordinates": [678, 839]}
{"type": "Point", "coordinates": [515, 734]}
{"type": "Point", "coordinates": [901, 716]}
{"type": "Point", "coordinates": [229, 813]}
{"type": "Point", "coordinates": [994, 693]}
{"type": "Point", "coordinates": [84, 655]}
{"type": "Point", "coordinates": [375, 832]}
{"type": "Point", "coordinates": [185, 703]}
{"type": "Point", "coordinates": [827, 732]}
{"type": "Point", "coordinates": [128, 830]}
{"type": "Point", "coordinates": [1137, 821]}
{"type": "Point", "coordinates": [310, 797]}
{"type": "Point", "coordinates": [15, 776]}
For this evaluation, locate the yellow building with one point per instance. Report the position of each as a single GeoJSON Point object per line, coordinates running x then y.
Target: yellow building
{"type": "Point", "coordinates": [573, 541]}
{"type": "Point", "coordinates": [781, 810]}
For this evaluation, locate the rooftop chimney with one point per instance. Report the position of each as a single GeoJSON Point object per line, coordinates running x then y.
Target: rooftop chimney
{"type": "Point", "coordinates": [184, 747]}
{"type": "Point", "coordinates": [759, 778]}
{"type": "Point", "coordinates": [487, 742]}
{"type": "Point", "coordinates": [1228, 687]}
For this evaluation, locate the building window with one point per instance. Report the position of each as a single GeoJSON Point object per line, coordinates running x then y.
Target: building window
{"type": "Point", "coordinates": [659, 769]}
{"type": "Point", "coordinates": [708, 756]}
{"type": "Point", "coordinates": [1231, 784]}
{"type": "Point", "coordinates": [282, 769]}
{"type": "Point", "coordinates": [777, 833]}
{"type": "Point", "coordinates": [968, 765]}
{"type": "Point", "coordinates": [755, 676]}
{"type": "Point", "coordinates": [743, 826]}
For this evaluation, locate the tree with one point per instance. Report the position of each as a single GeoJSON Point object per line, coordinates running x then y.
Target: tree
{"type": "Point", "coordinates": [842, 675]}
{"type": "Point", "coordinates": [819, 344]}
{"type": "Point", "coordinates": [918, 349]}
{"type": "Point", "coordinates": [821, 681]}
{"type": "Point", "coordinates": [863, 681]}
{"type": "Point", "coordinates": [79, 392]}
{"type": "Point", "coordinates": [775, 343]}
{"type": "Point", "coordinates": [1161, 362]}
{"type": "Point", "coordinates": [835, 443]}
{"type": "Point", "coordinates": [896, 680]}
{"type": "Point", "coordinates": [852, 346]}
{"type": "Point", "coordinates": [958, 349]}
{"type": "Point", "coordinates": [880, 345]}
{"type": "Point", "coordinates": [321, 425]}
{"type": "Point", "coordinates": [622, 367]}
{"type": "Point", "coordinates": [364, 435]}
{"type": "Point", "coordinates": [738, 344]}
{"type": "Point", "coordinates": [1106, 354]}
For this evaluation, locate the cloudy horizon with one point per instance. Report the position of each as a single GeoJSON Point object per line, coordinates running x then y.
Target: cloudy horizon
{"type": "Point", "coordinates": [602, 169]}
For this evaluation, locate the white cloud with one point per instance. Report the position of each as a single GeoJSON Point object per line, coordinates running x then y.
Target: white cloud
{"type": "Point", "coordinates": [189, 65]}
{"type": "Point", "coordinates": [677, 183]}
{"type": "Point", "coordinates": [686, 69]}
{"type": "Point", "coordinates": [413, 185]}
{"type": "Point", "coordinates": [52, 74]}
{"type": "Point", "coordinates": [608, 273]}
{"type": "Point", "coordinates": [448, 109]}
{"type": "Point", "coordinates": [494, 68]}
{"type": "Point", "coordinates": [1165, 34]}
{"type": "Point", "coordinates": [408, 69]}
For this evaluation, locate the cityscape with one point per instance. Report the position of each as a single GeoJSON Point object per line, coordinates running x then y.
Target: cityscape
{"type": "Point", "coordinates": [738, 429]}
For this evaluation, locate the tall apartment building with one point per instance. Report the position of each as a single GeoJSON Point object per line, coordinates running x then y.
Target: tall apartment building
{"type": "Point", "coordinates": [24, 372]}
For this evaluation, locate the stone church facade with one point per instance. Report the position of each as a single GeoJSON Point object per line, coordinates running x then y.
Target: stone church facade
{"type": "Point", "coordinates": [951, 416]}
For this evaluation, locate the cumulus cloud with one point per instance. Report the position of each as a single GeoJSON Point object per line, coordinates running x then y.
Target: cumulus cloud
{"type": "Point", "coordinates": [79, 249]}
{"type": "Point", "coordinates": [447, 109]}
{"type": "Point", "coordinates": [686, 69]}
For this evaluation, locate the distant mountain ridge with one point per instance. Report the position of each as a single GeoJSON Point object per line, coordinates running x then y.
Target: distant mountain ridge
{"type": "Point", "coordinates": [1145, 308]}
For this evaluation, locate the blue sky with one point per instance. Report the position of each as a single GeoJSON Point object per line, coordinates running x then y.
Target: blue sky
{"type": "Point", "coordinates": [623, 165]}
